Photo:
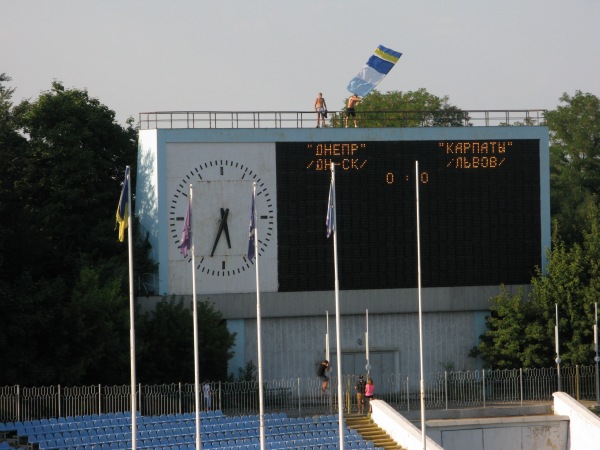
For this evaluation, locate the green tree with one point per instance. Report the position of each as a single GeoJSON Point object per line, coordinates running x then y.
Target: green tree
{"type": "Point", "coordinates": [521, 330]}
{"type": "Point", "coordinates": [76, 157]}
{"type": "Point", "coordinates": [167, 343]}
{"type": "Point", "coordinates": [18, 318]}
{"type": "Point", "coordinates": [247, 373]}
{"type": "Point", "coordinates": [64, 157]}
{"type": "Point", "coordinates": [572, 282]}
{"type": "Point", "coordinates": [12, 145]}
{"type": "Point", "coordinates": [515, 338]}
{"type": "Point", "coordinates": [407, 109]}
{"type": "Point", "coordinates": [574, 162]}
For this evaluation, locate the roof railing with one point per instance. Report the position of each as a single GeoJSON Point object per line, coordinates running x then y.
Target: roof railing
{"type": "Point", "coordinates": [337, 119]}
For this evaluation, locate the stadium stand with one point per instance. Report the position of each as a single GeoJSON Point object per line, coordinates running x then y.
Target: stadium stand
{"type": "Point", "coordinates": [177, 432]}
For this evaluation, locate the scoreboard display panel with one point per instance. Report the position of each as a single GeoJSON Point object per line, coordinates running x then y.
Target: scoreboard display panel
{"type": "Point", "coordinates": [479, 208]}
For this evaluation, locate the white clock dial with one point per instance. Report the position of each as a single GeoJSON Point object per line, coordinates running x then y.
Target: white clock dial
{"type": "Point", "coordinates": [222, 192]}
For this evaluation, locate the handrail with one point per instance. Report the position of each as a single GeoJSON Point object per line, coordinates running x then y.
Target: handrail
{"type": "Point", "coordinates": [336, 119]}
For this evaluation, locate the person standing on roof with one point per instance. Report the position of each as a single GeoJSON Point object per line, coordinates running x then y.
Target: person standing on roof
{"type": "Point", "coordinates": [321, 109]}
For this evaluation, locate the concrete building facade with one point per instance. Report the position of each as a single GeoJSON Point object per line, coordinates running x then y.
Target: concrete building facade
{"type": "Point", "coordinates": [222, 164]}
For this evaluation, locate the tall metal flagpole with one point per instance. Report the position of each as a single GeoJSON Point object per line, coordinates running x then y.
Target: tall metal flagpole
{"type": "Point", "coordinates": [422, 383]}
{"type": "Point", "coordinates": [131, 317]}
{"type": "Point", "coordinates": [368, 365]}
{"type": "Point", "coordinates": [327, 356]}
{"type": "Point", "coordinates": [195, 303]}
{"type": "Point", "coordinates": [254, 230]}
{"type": "Point", "coordinates": [337, 311]}
{"type": "Point", "coordinates": [186, 246]}
{"type": "Point", "coordinates": [596, 358]}
{"type": "Point", "coordinates": [557, 352]}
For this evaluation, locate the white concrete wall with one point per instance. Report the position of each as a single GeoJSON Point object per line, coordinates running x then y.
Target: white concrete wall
{"type": "Point", "coordinates": [584, 426]}
{"type": "Point", "coordinates": [292, 347]}
{"type": "Point", "coordinates": [400, 429]}
{"type": "Point", "coordinates": [502, 433]}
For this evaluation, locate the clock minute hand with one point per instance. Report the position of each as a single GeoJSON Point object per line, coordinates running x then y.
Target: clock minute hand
{"type": "Point", "coordinates": [222, 226]}
{"type": "Point", "coordinates": [224, 215]}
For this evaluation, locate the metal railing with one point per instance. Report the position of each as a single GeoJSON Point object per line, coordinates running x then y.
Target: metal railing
{"type": "Point", "coordinates": [336, 119]}
{"type": "Point", "coordinates": [302, 396]}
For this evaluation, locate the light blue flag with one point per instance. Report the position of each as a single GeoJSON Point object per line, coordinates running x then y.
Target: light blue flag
{"type": "Point", "coordinates": [330, 221]}
{"type": "Point", "coordinates": [376, 68]}
{"type": "Point", "coordinates": [251, 233]}
{"type": "Point", "coordinates": [186, 234]}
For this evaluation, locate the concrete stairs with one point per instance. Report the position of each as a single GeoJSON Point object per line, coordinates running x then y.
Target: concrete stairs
{"type": "Point", "coordinates": [371, 432]}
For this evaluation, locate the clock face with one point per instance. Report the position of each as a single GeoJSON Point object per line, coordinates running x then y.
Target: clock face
{"type": "Point", "coordinates": [221, 204]}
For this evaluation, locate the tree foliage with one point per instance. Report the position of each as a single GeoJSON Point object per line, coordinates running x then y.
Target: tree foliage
{"type": "Point", "coordinates": [514, 337]}
{"type": "Point", "coordinates": [521, 329]}
{"type": "Point", "coordinates": [64, 291]}
{"type": "Point", "coordinates": [62, 272]}
{"type": "Point", "coordinates": [575, 162]}
{"type": "Point", "coordinates": [407, 109]}
{"type": "Point", "coordinates": [167, 343]}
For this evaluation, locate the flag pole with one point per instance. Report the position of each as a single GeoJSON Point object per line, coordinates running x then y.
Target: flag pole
{"type": "Point", "coordinates": [337, 312]}
{"type": "Point", "coordinates": [596, 358]}
{"type": "Point", "coordinates": [558, 360]}
{"type": "Point", "coordinates": [368, 365]}
{"type": "Point", "coordinates": [327, 356]}
{"type": "Point", "coordinates": [187, 245]}
{"type": "Point", "coordinates": [258, 326]}
{"type": "Point", "coordinates": [195, 307]}
{"type": "Point", "coordinates": [422, 383]}
{"type": "Point", "coordinates": [131, 315]}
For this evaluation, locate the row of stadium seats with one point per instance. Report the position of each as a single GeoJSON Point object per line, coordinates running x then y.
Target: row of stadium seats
{"type": "Point", "coordinates": [177, 432]}
{"type": "Point", "coordinates": [178, 435]}
{"type": "Point", "coordinates": [77, 437]}
{"type": "Point", "coordinates": [284, 441]}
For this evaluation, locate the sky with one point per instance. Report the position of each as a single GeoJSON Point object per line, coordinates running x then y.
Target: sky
{"type": "Point", "coordinates": [139, 56]}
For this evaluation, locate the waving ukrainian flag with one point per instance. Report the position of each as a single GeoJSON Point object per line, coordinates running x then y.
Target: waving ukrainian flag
{"type": "Point", "coordinates": [123, 208]}
{"type": "Point", "coordinates": [377, 67]}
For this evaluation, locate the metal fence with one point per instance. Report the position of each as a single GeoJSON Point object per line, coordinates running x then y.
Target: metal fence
{"type": "Point", "coordinates": [336, 119]}
{"type": "Point", "coordinates": [302, 396]}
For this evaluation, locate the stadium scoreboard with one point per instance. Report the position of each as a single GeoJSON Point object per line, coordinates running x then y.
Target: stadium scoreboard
{"type": "Point", "coordinates": [479, 208]}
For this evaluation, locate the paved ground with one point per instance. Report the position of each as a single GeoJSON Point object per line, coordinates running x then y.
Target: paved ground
{"type": "Point", "coordinates": [492, 410]}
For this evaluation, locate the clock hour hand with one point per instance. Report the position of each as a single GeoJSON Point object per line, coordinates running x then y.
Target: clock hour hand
{"type": "Point", "coordinates": [224, 215]}
{"type": "Point", "coordinates": [222, 227]}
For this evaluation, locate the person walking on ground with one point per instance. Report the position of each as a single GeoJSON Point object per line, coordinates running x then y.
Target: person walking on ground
{"type": "Point", "coordinates": [369, 391]}
{"type": "Point", "coordinates": [359, 387]}
{"type": "Point", "coordinates": [207, 399]}
{"type": "Point", "coordinates": [350, 111]}
{"type": "Point", "coordinates": [321, 109]}
{"type": "Point", "coordinates": [322, 374]}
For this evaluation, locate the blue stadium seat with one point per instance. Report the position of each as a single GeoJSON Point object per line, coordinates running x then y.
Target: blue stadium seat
{"type": "Point", "coordinates": [47, 444]}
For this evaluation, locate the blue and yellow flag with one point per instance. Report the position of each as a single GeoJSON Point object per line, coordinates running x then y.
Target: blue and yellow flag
{"type": "Point", "coordinates": [123, 208]}
{"type": "Point", "coordinates": [376, 68]}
